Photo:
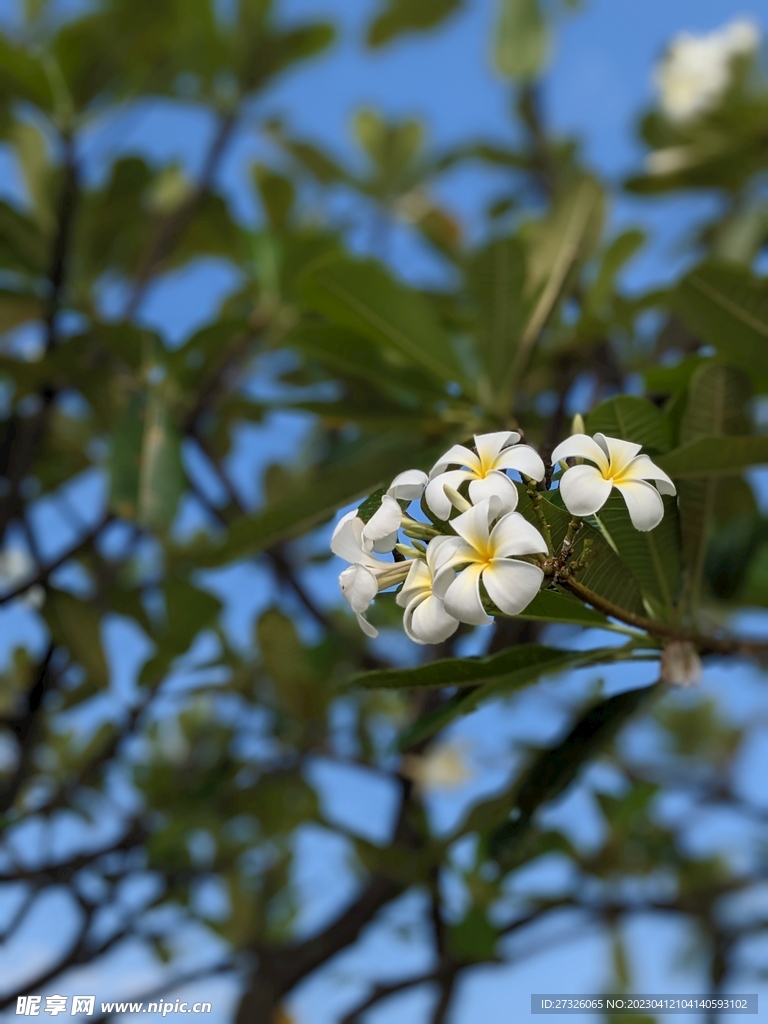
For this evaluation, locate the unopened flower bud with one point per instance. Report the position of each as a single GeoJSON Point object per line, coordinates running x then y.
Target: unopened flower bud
{"type": "Point", "coordinates": [456, 499]}
{"type": "Point", "coordinates": [680, 664]}
{"type": "Point", "coordinates": [577, 424]}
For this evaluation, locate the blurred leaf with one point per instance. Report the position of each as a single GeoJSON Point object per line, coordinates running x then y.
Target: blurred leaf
{"type": "Point", "coordinates": [618, 253]}
{"type": "Point", "coordinates": [125, 454]}
{"type": "Point", "coordinates": [632, 419]}
{"type": "Point", "coordinates": [277, 196]}
{"type": "Point", "coordinates": [365, 299]}
{"type": "Point", "coordinates": [316, 498]}
{"type": "Point", "coordinates": [77, 624]}
{"type": "Point", "coordinates": [727, 307]}
{"type": "Point", "coordinates": [554, 770]}
{"type": "Point", "coordinates": [715, 456]}
{"type": "Point", "coordinates": [473, 939]}
{"type": "Point", "coordinates": [521, 39]}
{"type": "Point", "coordinates": [401, 16]}
{"type": "Point", "coordinates": [161, 477]}
{"type": "Point", "coordinates": [716, 405]}
{"type": "Point", "coordinates": [17, 308]}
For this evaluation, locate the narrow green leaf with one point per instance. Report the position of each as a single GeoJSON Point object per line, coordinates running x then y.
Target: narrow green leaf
{"type": "Point", "coordinates": [489, 678]}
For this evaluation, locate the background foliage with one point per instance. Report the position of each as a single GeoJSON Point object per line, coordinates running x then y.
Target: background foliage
{"type": "Point", "coordinates": [158, 774]}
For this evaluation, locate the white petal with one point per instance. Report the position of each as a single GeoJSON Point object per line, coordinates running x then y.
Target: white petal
{"type": "Point", "coordinates": [641, 468]}
{"type": "Point", "coordinates": [452, 553]}
{"type": "Point", "coordinates": [584, 490]}
{"type": "Point", "coordinates": [462, 598]}
{"type": "Point", "coordinates": [437, 500]}
{"type": "Point", "coordinates": [472, 525]}
{"type": "Point", "coordinates": [418, 583]}
{"type": "Point", "coordinates": [620, 453]}
{"type": "Point", "coordinates": [524, 459]}
{"type": "Point", "coordinates": [513, 535]}
{"type": "Point", "coordinates": [646, 509]}
{"type": "Point", "coordinates": [494, 485]}
{"type": "Point", "coordinates": [347, 540]}
{"type": "Point", "coordinates": [359, 587]}
{"type": "Point", "coordinates": [489, 446]}
{"type": "Point", "coordinates": [459, 455]}
{"type": "Point", "coordinates": [512, 585]}
{"type": "Point", "coordinates": [380, 532]}
{"type": "Point", "coordinates": [408, 486]}
{"type": "Point", "coordinates": [365, 625]}
{"type": "Point", "coordinates": [580, 446]}
{"type": "Point", "coordinates": [427, 622]}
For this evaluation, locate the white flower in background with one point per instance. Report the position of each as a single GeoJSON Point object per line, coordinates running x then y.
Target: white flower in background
{"type": "Point", "coordinates": [619, 464]}
{"type": "Point", "coordinates": [366, 575]}
{"type": "Point", "coordinates": [696, 70]}
{"type": "Point", "coordinates": [680, 664]}
{"type": "Point", "coordinates": [444, 766]}
{"type": "Point", "coordinates": [425, 620]}
{"type": "Point", "coordinates": [380, 532]}
{"type": "Point", "coordinates": [17, 566]}
{"type": "Point", "coordinates": [485, 471]}
{"type": "Point", "coordinates": [480, 552]}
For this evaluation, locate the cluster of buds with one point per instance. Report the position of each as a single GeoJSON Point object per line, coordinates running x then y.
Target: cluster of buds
{"type": "Point", "coordinates": [474, 554]}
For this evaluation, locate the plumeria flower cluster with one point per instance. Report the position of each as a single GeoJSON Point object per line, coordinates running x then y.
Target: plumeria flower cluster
{"type": "Point", "coordinates": [696, 71]}
{"type": "Point", "coordinates": [472, 555]}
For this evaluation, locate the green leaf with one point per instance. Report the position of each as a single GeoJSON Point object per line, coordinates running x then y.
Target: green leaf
{"type": "Point", "coordinates": [277, 196]}
{"type": "Point", "coordinates": [125, 454]}
{"type": "Point", "coordinates": [653, 557]}
{"type": "Point", "coordinates": [487, 679]}
{"type": "Point", "coordinates": [521, 39]}
{"type": "Point", "coordinates": [17, 308]}
{"type": "Point", "coordinates": [496, 278]}
{"type": "Point", "coordinates": [161, 477]}
{"type": "Point", "coordinates": [398, 17]}
{"type": "Point", "coordinates": [77, 624]}
{"type": "Point", "coordinates": [726, 306]}
{"type": "Point", "coordinates": [553, 770]}
{"type": "Point", "coordinates": [363, 298]}
{"type": "Point", "coordinates": [715, 456]}
{"type": "Point", "coordinates": [619, 252]}
{"type": "Point", "coordinates": [552, 606]}
{"type": "Point", "coordinates": [473, 939]}
{"type": "Point", "coordinates": [632, 419]}
{"type": "Point", "coordinates": [717, 397]}
{"type": "Point", "coordinates": [605, 573]}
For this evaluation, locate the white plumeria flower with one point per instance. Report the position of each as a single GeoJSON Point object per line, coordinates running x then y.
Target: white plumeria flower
{"type": "Point", "coordinates": [488, 554]}
{"type": "Point", "coordinates": [619, 464]}
{"type": "Point", "coordinates": [485, 471]}
{"type": "Point", "coordinates": [425, 620]}
{"type": "Point", "coordinates": [380, 532]}
{"type": "Point", "coordinates": [696, 71]}
{"type": "Point", "coordinates": [366, 576]}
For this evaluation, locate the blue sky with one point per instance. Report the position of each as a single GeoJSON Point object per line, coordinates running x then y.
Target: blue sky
{"type": "Point", "coordinates": [600, 79]}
